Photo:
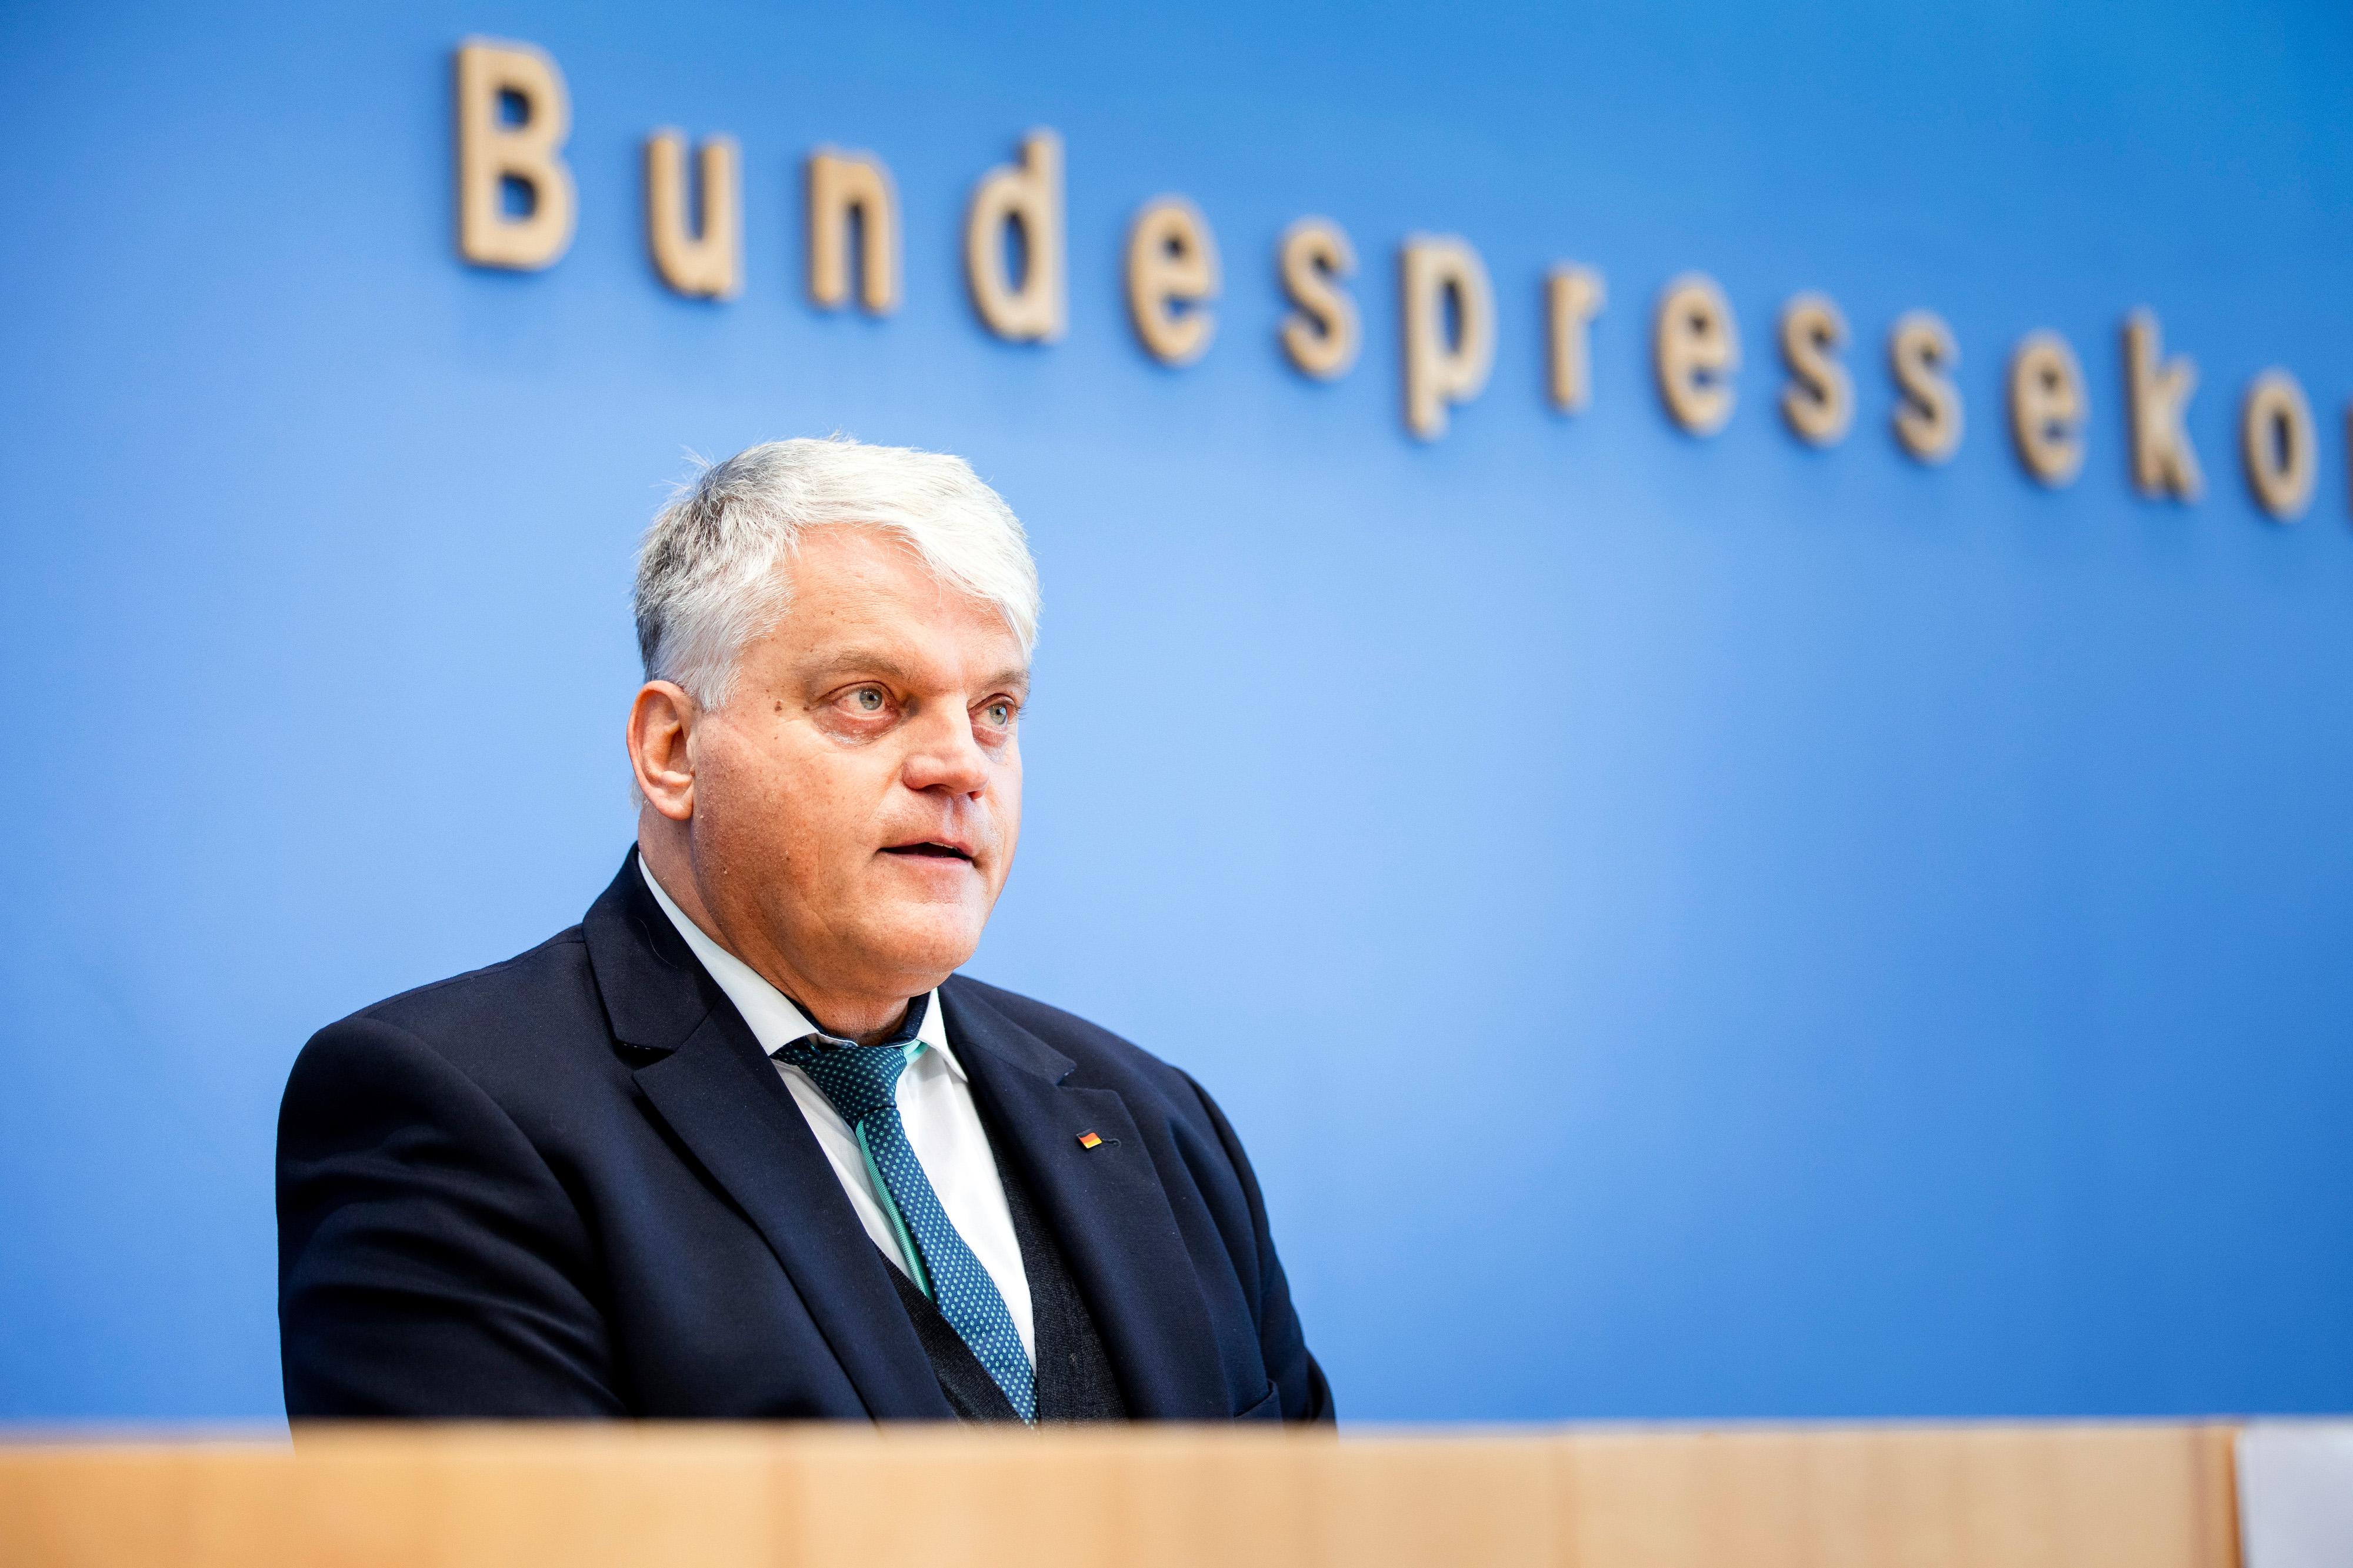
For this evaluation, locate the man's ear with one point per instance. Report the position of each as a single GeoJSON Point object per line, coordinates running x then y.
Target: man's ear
{"type": "Point", "coordinates": [661, 722]}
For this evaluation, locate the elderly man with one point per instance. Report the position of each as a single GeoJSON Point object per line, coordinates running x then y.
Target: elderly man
{"type": "Point", "coordinates": [742, 1143]}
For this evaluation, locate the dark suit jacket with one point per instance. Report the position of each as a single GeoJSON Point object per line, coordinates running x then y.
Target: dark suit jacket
{"type": "Point", "coordinates": [571, 1186]}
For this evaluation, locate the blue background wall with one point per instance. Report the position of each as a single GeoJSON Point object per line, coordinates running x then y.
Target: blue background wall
{"type": "Point", "coordinates": [1687, 928]}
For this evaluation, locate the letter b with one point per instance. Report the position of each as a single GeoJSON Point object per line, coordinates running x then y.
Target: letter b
{"type": "Point", "coordinates": [490, 153]}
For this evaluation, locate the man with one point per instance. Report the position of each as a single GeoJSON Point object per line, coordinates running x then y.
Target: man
{"type": "Point", "coordinates": [741, 1143]}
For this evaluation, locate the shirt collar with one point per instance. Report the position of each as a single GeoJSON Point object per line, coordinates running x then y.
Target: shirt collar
{"type": "Point", "coordinates": [775, 1022]}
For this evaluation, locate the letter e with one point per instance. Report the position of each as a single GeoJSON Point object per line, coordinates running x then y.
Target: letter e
{"type": "Point", "coordinates": [1696, 350]}
{"type": "Point", "coordinates": [1172, 260]}
{"type": "Point", "coordinates": [2047, 408]}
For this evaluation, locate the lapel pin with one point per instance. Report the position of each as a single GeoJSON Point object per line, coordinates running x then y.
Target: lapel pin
{"type": "Point", "coordinates": [1090, 1140]}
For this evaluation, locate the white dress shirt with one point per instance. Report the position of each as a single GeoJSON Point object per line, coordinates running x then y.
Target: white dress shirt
{"type": "Point", "coordinates": [935, 1105]}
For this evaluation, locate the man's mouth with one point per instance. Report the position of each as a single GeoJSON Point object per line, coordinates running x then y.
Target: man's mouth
{"type": "Point", "coordinates": [929, 851]}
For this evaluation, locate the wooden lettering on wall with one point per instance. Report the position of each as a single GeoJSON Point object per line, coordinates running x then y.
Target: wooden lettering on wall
{"type": "Point", "coordinates": [1574, 295]}
{"type": "Point", "coordinates": [1695, 351]}
{"type": "Point", "coordinates": [842, 186]}
{"type": "Point", "coordinates": [517, 209]}
{"type": "Point", "coordinates": [2275, 443]}
{"type": "Point", "coordinates": [2047, 408]}
{"type": "Point", "coordinates": [1172, 261]}
{"type": "Point", "coordinates": [2156, 395]}
{"type": "Point", "coordinates": [1445, 362]}
{"type": "Point", "coordinates": [1029, 196]}
{"type": "Point", "coordinates": [1921, 354]}
{"type": "Point", "coordinates": [1323, 335]}
{"type": "Point", "coordinates": [1819, 401]}
{"type": "Point", "coordinates": [705, 262]}
{"type": "Point", "coordinates": [494, 150]}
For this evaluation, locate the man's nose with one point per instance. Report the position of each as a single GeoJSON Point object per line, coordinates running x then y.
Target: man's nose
{"type": "Point", "coordinates": [945, 756]}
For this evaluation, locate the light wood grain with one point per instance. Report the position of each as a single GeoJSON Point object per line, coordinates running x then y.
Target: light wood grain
{"type": "Point", "coordinates": [749, 1496]}
{"type": "Point", "coordinates": [2155, 1497]}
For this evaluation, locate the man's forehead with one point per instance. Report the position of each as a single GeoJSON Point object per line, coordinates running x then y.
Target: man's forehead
{"type": "Point", "coordinates": [847, 573]}
{"type": "Point", "coordinates": [873, 608]}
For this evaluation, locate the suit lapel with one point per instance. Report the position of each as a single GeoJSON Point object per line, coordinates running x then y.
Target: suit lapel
{"type": "Point", "coordinates": [724, 1100]}
{"type": "Point", "coordinates": [1105, 1205]}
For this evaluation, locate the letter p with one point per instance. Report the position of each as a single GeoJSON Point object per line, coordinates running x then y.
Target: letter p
{"type": "Point", "coordinates": [1443, 367]}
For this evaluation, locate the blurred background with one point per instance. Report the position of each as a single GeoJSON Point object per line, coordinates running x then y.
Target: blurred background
{"type": "Point", "coordinates": [1685, 927]}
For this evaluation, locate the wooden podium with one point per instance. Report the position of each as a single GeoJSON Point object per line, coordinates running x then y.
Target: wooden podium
{"type": "Point", "coordinates": [786, 1496]}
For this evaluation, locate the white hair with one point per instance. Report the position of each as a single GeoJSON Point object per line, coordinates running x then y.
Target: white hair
{"type": "Point", "coordinates": [710, 572]}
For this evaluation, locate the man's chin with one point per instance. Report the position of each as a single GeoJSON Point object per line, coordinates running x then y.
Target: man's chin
{"type": "Point", "coordinates": [922, 940]}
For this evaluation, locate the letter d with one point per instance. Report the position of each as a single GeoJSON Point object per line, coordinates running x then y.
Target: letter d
{"type": "Point", "coordinates": [1029, 194]}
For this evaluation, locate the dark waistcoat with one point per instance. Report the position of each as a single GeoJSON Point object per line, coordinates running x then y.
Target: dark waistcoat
{"type": "Point", "coordinates": [1074, 1376]}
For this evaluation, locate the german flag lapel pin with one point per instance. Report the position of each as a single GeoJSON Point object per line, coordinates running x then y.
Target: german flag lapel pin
{"type": "Point", "coordinates": [1090, 1140]}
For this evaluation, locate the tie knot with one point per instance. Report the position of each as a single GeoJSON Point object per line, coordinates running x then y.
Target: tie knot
{"type": "Point", "coordinates": [859, 1079]}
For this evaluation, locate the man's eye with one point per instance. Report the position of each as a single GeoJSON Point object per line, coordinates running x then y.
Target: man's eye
{"type": "Point", "coordinates": [999, 713]}
{"type": "Point", "coordinates": [868, 699]}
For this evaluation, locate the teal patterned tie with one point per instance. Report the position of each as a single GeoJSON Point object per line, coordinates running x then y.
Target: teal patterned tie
{"type": "Point", "coordinates": [862, 1082]}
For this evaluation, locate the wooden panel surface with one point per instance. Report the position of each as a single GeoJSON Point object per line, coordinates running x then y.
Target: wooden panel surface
{"type": "Point", "coordinates": [746, 1497]}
